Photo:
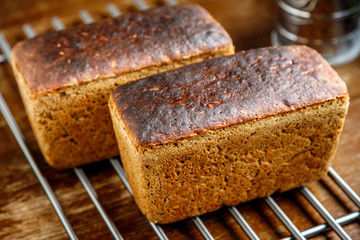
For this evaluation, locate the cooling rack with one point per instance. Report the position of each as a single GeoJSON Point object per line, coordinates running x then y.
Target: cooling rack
{"type": "Point", "coordinates": [331, 223]}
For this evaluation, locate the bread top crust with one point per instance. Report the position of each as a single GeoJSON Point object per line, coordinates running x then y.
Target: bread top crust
{"type": "Point", "coordinates": [128, 43]}
{"type": "Point", "coordinates": [225, 91]}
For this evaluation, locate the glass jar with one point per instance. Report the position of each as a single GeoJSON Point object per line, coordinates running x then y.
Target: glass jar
{"type": "Point", "coordinates": [331, 27]}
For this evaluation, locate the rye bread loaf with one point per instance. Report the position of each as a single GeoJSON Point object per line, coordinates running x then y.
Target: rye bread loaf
{"type": "Point", "coordinates": [65, 78]}
{"type": "Point", "coordinates": [228, 130]}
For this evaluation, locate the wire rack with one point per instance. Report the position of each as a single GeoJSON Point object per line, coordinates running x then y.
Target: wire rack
{"type": "Point", "coordinates": [330, 222]}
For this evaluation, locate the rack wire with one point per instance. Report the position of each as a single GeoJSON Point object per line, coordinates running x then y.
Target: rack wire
{"type": "Point", "coordinates": [2, 58]}
{"type": "Point", "coordinates": [331, 223]}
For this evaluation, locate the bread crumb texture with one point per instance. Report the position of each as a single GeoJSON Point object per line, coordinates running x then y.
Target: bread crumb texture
{"type": "Point", "coordinates": [231, 165]}
{"type": "Point", "coordinates": [73, 125]}
{"type": "Point", "coordinates": [228, 130]}
{"type": "Point", "coordinates": [65, 78]}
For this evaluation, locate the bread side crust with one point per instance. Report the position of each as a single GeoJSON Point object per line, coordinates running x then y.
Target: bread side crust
{"type": "Point", "coordinates": [72, 125]}
{"type": "Point", "coordinates": [231, 165]}
{"type": "Point", "coordinates": [130, 157]}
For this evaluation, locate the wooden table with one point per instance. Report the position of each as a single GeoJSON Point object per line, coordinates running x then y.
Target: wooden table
{"type": "Point", "coordinates": [26, 213]}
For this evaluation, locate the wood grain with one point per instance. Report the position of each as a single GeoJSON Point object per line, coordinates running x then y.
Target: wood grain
{"type": "Point", "coordinates": [26, 213]}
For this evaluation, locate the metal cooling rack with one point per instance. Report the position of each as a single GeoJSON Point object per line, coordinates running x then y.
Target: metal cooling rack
{"type": "Point", "coordinates": [331, 222]}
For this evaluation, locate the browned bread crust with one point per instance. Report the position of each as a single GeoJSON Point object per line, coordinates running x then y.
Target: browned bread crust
{"type": "Point", "coordinates": [128, 43]}
{"type": "Point", "coordinates": [225, 91]}
{"type": "Point", "coordinates": [228, 130]}
{"type": "Point", "coordinates": [65, 78]}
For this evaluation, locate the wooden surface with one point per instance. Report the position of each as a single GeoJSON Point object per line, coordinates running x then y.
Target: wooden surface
{"type": "Point", "coordinates": [26, 213]}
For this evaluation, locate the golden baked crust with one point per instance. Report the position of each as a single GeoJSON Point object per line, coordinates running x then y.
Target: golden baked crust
{"type": "Point", "coordinates": [224, 91]}
{"type": "Point", "coordinates": [278, 130]}
{"type": "Point", "coordinates": [65, 78]}
{"type": "Point", "coordinates": [109, 48]}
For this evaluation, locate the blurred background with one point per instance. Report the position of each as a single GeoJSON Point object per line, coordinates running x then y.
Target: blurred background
{"type": "Point", "coordinates": [249, 22]}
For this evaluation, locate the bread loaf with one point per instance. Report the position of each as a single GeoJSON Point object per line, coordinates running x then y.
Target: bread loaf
{"type": "Point", "coordinates": [65, 78]}
{"type": "Point", "coordinates": [228, 130]}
